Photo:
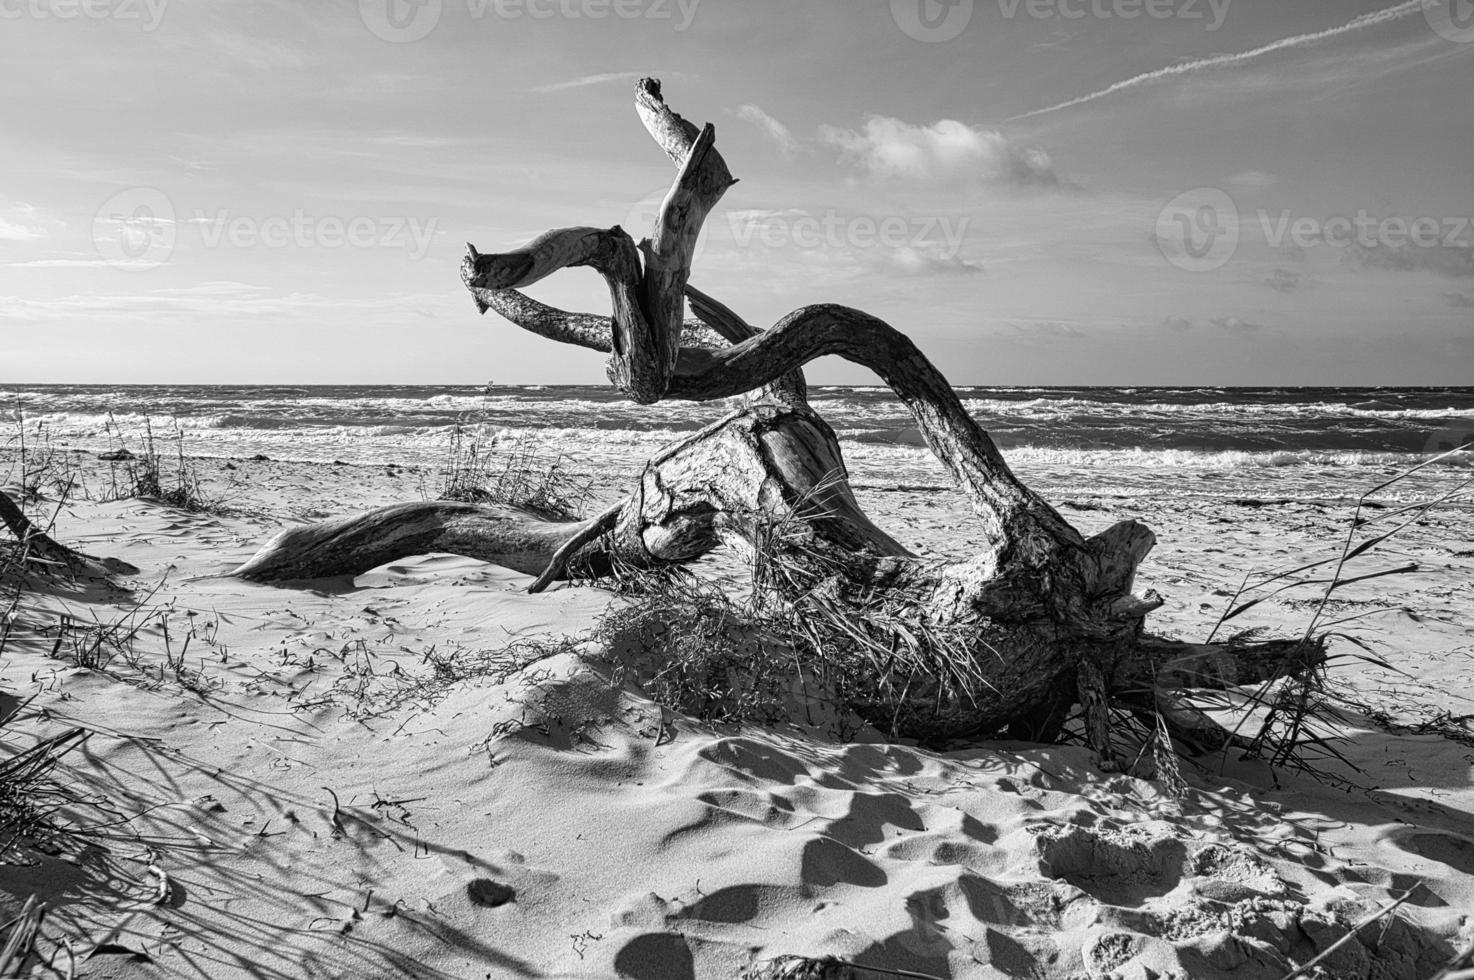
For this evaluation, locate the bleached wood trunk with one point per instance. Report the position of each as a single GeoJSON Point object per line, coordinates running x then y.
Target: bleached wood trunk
{"type": "Point", "coordinates": [1048, 617]}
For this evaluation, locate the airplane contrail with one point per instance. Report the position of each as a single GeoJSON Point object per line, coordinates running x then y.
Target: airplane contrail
{"type": "Point", "coordinates": [1372, 19]}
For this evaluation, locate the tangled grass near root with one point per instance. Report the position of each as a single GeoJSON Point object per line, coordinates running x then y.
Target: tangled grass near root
{"type": "Point", "coordinates": [693, 649]}
{"type": "Point", "coordinates": [725, 656]}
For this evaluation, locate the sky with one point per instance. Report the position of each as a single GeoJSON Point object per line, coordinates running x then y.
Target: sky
{"type": "Point", "coordinates": [1071, 192]}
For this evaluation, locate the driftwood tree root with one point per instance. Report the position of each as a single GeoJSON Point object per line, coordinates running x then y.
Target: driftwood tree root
{"type": "Point", "coordinates": [1041, 619]}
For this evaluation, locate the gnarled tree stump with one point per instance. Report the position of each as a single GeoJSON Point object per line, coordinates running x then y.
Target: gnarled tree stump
{"type": "Point", "coordinates": [1042, 618]}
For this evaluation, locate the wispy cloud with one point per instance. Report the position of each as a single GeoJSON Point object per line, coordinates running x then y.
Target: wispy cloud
{"type": "Point", "coordinates": [1453, 261]}
{"type": "Point", "coordinates": [775, 130]}
{"type": "Point", "coordinates": [602, 79]}
{"type": "Point", "coordinates": [212, 301]}
{"type": "Point", "coordinates": [1373, 19]}
{"type": "Point", "coordinates": [59, 264]}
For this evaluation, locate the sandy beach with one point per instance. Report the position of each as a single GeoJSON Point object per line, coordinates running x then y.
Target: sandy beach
{"type": "Point", "coordinates": [683, 490]}
{"type": "Point", "coordinates": [369, 778]}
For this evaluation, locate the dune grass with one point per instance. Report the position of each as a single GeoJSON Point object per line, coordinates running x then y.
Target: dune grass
{"type": "Point", "coordinates": [38, 807]}
{"type": "Point", "coordinates": [147, 464]}
{"type": "Point", "coordinates": [480, 467]}
{"type": "Point", "coordinates": [47, 810]}
{"type": "Point", "coordinates": [156, 470]}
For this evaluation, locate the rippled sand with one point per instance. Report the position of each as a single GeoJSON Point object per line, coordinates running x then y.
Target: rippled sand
{"type": "Point", "coordinates": [322, 806]}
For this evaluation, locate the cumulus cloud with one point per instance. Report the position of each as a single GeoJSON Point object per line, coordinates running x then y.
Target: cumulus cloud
{"type": "Point", "coordinates": [1235, 324]}
{"type": "Point", "coordinates": [1284, 280]}
{"type": "Point", "coordinates": [1230, 323]}
{"type": "Point", "coordinates": [927, 260]}
{"type": "Point", "coordinates": [20, 223]}
{"type": "Point", "coordinates": [772, 128]}
{"type": "Point", "coordinates": [948, 150]}
{"type": "Point", "coordinates": [851, 241]}
{"type": "Point", "coordinates": [1254, 179]}
{"type": "Point", "coordinates": [1049, 328]}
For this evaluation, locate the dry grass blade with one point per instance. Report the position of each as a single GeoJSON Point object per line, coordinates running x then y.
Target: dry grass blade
{"type": "Point", "coordinates": [1299, 724]}
{"type": "Point", "coordinates": [1350, 550]}
{"type": "Point", "coordinates": [21, 941]}
{"type": "Point", "coordinates": [25, 790]}
{"type": "Point", "coordinates": [824, 968]}
{"type": "Point", "coordinates": [1325, 954]}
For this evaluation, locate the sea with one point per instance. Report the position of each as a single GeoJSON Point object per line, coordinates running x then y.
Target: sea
{"type": "Point", "coordinates": [1247, 443]}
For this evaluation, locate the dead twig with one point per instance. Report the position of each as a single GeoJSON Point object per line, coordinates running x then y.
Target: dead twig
{"type": "Point", "coordinates": [1305, 968]}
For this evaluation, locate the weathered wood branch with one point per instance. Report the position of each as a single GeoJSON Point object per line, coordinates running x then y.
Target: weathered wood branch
{"type": "Point", "coordinates": [702, 180]}
{"type": "Point", "coordinates": [715, 327]}
{"type": "Point", "coordinates": [588, 330]}
{"type": "Point", "coordinates": [580, 329]}
{"type": "Point", "coordinates": [720, 317]}
{"type": "Point", "coordinates": [672, 133]}
{"type": "Point", "coordinates": [557, 565]}
{"type": "Point", "coordinates": [1001, 501]}
{"type": "Point", "coordinates": [508, 536]}
{"type": "Point", "coordinates": [37, 544]}
{"type": "Point", "coordinates": [608, 250]}
{"type": "Point", "coordinates": [790, 388]}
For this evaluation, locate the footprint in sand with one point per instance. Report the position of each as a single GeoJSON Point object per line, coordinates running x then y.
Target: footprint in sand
{"type": "Point", "coordinates": [1450, 849]}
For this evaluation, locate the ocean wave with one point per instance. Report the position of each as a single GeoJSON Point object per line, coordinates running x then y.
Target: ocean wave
{"type": "Point", "coordinates": [1048, 407]}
